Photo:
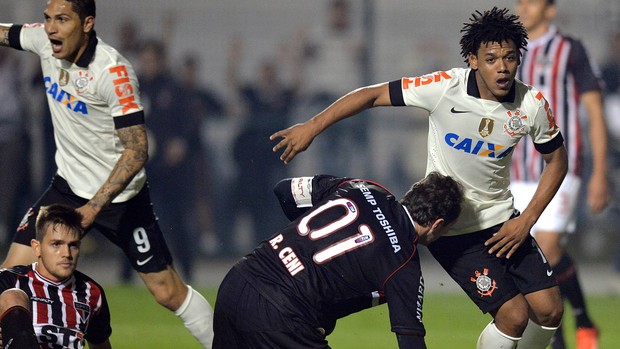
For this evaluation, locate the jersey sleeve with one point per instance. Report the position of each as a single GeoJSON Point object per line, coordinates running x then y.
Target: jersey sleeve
{"type": "Point", "coordinates": [582, 69]}
{"type": "Point", "coordinates": [28, 37]}
{"type": "Point", "coordinates": [544, 131]}
{"type": "Point", "coordinates": [99, 329]}
{"type": "Point", "coordinates": [423, 91]}
{"type": "Point", "coordinates": [7, 280]}
{"type": "Point", "coordinates": [404, 294]}
{"type": "Point", "coordinates": [119, 88]}
{"type": "Point", "coordinates": [297, 195]}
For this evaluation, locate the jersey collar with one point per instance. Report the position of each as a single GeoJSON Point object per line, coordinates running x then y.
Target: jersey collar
{"type": "Point", "coordinates": [472, 88]}
{"type": "Point", "coordinates": [88, 54]}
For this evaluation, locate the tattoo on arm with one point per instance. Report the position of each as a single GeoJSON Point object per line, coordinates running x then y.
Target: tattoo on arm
{"type": "Point", "coordinates": [132, 160]}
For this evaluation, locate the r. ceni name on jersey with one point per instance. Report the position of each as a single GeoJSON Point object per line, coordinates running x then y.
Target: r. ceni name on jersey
{"type": "Point", "coordinates": [287, 256]}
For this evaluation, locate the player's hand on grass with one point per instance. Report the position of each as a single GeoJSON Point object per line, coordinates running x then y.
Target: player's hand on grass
{"type": "Point", "coordinates": [295, 139]}
{"type": "Point", "coordinates": [509, 238]}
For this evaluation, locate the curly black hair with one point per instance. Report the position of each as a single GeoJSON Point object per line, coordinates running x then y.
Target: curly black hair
{"type": "Point", "coordinates": [495, 25]}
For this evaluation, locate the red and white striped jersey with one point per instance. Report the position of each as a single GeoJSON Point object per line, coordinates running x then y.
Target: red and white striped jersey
{"type": "Point", "coordinates": [66, 313]}
{"type": "Point", "coordinates": [559, 67]}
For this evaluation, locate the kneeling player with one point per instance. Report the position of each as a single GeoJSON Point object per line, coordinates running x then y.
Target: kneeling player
{"type": "Point", "coordinates": [351, 245]}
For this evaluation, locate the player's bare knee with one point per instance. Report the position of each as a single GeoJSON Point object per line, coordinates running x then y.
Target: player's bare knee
{"type": "Point", "coordinates": [512, 317]}
{"type": "Point", "coordinates": [548, 307]}
{"type": "Point", "coordinates": [550, 316]}
{"type": "Point", "coordinates": [13, 297]}
{"type": "Point", "coordinates": [512, 323]}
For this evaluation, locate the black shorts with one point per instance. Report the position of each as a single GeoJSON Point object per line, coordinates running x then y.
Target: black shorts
{"type": "Point", "coordinates": [130, 225]}
{"type": "Point", "coordinates": [490, 281]}
{"type": "Point", "coordinates": [244, 319]}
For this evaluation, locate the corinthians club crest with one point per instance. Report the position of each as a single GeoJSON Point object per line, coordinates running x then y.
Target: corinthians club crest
{"type": "Point", "coordinates": [514, 126]}
{"type": "Point", "coordinates": [485, 285]}
{"type": "Point", "coordinates": [82, 81]}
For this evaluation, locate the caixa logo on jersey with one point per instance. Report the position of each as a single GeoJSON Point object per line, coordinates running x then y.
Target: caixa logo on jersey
{"type": "Point", "coordinates": [476, 147]}
{"type": "Point", "coordinates": [63, 97]}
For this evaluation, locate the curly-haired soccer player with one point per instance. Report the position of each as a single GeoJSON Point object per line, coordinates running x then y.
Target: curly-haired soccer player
{"type": "Point", "coordinates": [477, 116]}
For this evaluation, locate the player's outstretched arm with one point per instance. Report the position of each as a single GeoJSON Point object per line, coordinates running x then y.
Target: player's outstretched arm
{"type": "Point", "coordinates": [298, 138]}
{"type": "Point", "coordinates": [132, 160]}
{"type": "Point", "coordinates": [4, 34]}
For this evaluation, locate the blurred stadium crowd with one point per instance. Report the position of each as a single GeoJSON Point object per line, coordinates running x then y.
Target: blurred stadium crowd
{"type": "Point", "coordinates": [218, 77]}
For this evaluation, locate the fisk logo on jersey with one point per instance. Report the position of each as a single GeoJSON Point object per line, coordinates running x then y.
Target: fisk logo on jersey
{"type": "Point", "coordinates": [425, 79]}
{"type": "Point", "coordinates": [476, 147]}
{"type": "Point", "coordinates": [63, 97]}
{"type": "Point", "coordinates": [552, 125]}
{"type": "Point", "coordinates": [124, 89]}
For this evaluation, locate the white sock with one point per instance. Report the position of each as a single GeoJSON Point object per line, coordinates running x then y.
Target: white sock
{"type": "Point", "coordinates": [492, 338]}
{"type": "Point", "coordinates": [197, 316]}
{"type": "Point", "coordinates": [536, 336]}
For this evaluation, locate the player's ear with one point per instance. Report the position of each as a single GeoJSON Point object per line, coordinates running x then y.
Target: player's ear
{"type": "Point", "coordinates": [36, 247]}
{"type": "Point", "coordinates": [89, 24]}
{"type": "Point", "coordinates": [473, 61]}
{"type": "Point", "coordinates": [438, 225]}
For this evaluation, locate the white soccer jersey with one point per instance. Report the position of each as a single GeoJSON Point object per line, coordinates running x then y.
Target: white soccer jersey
{"type": "Point", "coordinates": [471, 139]}
{"type": "Point", "coordinates": [88, 100]}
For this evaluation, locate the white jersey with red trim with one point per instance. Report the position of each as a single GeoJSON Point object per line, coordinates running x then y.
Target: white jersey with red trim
{"type": "Point", "coordinates": [86, 100]}
{"type": "Point", "coordinates": [66, 313]}
{"type": "Point", "coordinates": [471, 139]}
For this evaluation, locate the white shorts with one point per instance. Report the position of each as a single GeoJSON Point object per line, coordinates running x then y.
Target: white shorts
{"type": "Point", "coordinates": [561, 213]}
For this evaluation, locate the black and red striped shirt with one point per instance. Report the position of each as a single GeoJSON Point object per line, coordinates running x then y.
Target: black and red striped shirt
{"type": "Point", "coordinates": [559, 67]}
{"type": "Point", "coordinates": [66, 313]}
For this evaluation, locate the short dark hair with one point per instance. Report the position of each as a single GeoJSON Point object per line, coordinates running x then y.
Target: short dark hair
{"type": "Point", "coordinates": [57, 214]}
{"type": "Point", "coordinates": [435, 196]}
{"type": "Point", "coordinates": [84, 8]}
{"type": "Point", "coordinates": [495, 25]}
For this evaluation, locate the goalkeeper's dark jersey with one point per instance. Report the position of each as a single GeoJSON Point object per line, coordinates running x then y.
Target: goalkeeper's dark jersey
{"type": "Point", "coordinates": [64, 313]}
{"type": "Point", "coordinates": [351, 245]}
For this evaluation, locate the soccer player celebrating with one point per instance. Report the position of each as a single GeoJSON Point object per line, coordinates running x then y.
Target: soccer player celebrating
{"type": "Point", "coordinates": [558, 65]}
{"type": "Point", "coordinates": [101, 143]}
{"type": "Point", "coordinates": [351, 245]}
{"type": "Point", "coordinates": [49, 302]}
{"type": "Point", "coordinates": [477, 116]}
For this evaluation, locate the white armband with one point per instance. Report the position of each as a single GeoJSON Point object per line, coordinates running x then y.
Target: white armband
{"type": "Point", "coordinates": [301, 189]}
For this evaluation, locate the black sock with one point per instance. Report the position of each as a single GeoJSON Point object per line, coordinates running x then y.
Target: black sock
{"type": "Point", "coordinates": [17, 330]}
{"type": "Point", "coordinates": [566, 274]}
{"type": "Point", "coordinates": [558, 339]}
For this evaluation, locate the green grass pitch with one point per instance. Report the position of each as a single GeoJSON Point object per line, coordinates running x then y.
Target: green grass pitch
{"type": "Point", "coordinates": [451, 321]}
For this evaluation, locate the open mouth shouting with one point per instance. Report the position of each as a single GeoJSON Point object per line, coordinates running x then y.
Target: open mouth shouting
{"type": "Point", "coordinates": [56, 46]}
